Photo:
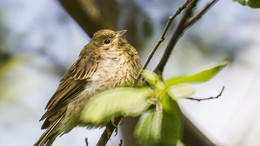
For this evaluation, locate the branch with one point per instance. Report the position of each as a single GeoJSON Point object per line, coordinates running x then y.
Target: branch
{"type": "Point", "coordinates": [200, 14]}
{"type": "Point", "coordinates": [191, 134]}
{"type": "Point", "coordinates": [86, 12]}
{"type": "Point", "coordinates": [121, 142]}
{"type": "Point", "coordinates": [175, 37]}
{"type": "Point", "coordinates": [86, 140]}
{"type": "Point", "coordinates": [161, 39]}
{"type": "Point", "coordinates": [213, 97]}
{"type": "Point", "coordinates": [108, 132]}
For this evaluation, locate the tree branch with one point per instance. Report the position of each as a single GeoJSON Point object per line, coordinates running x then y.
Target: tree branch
{"type": "Point", "coordinates": [86, 11]}
{"type": "Point", "coordinates": [108, 132]}
{"type": "Point", "coordinates": [161, 39]}
{"type": "Point", "coordinates": [199, 15]}
{"type": "Point", "coordinates": [86, 140]}
{"type": "Point", "coordinates": [191, 134]}
{"type": "Point", "coordinates": [175, 37]}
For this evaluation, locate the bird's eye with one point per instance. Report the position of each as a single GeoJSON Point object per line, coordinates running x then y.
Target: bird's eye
{"type": "Point", "coordinates": [107, 41]}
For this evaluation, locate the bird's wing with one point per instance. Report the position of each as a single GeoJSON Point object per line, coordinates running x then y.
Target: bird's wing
{"type": "Point", "coordinates": [72, 83]}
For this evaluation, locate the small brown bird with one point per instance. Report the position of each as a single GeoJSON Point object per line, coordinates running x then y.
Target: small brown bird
{"type": "Point", "coordinates": [106, 62]}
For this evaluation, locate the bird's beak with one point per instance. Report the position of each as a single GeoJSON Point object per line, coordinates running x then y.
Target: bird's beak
{"type": "Point", "coordinates": [120, 33]}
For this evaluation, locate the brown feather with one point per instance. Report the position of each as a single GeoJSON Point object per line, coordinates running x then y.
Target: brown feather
{"type": "Point", "coordinates": [72, 83]}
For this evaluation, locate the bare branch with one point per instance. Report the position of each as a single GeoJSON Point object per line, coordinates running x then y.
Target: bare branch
{"type": "Point", "coordinates": [213, 97]}
{"type": "Point", "coordinates": [161, 39]}
{"type": "Point", "coordinates": [175, 37]}
{"type": "Point", "coordinates": [198, 16]}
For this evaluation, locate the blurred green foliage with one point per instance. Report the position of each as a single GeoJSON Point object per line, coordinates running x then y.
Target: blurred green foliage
{"type": "Point", "coordinates": [12, 78]}
{"type": "Point", "coordinates": [250, 3]}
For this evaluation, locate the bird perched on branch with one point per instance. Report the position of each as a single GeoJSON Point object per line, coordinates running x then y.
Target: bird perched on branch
{"type": "Point", "coordinates": [106, 62]}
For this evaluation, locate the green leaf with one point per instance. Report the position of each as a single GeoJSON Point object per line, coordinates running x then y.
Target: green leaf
{"type": "Point", "coordinates": [200, 76]}
{"type": "Point", "coordinates": [160, 127]}
{"type": "Point", "coordinates": [148, 128]}
{"type": "Point", "coordinates": [171, 123]}
{"type": "Point", "coordinates": [180, 91]}
{"type": "Point", "coordinates": [250, 3]}
{"type": "Point", "coordinates": [126, 101]}
{"type": "Point", "coordinates": [151, 77]}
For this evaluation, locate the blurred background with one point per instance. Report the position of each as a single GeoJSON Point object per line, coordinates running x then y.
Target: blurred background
{"type": "Point", "coordinates": [39, 41]}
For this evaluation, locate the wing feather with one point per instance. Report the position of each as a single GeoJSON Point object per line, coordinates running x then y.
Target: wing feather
{"type": "Point", "coordinates": [71, 84]}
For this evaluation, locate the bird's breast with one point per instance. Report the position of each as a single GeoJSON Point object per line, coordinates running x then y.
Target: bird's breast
{"type": "Point", "coordinates": [114, 69]}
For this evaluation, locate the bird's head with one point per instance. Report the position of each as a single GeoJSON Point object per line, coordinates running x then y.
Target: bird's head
{"type": "Point", "coordinates": [106, 38]}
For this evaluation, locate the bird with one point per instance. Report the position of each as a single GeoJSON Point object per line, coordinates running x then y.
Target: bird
{"type": "Point", "coordinates": [106, 62]}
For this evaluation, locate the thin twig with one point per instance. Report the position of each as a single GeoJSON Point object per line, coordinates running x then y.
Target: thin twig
{"type": "Point", "coordinates": [86, 140]}
{"type": "Point", "coordinates": [175, 37]}
{"type": "Point", "coordinates": [121, 142]}
{"type": "Point", "coordinates": [198, 16]}
{"type": "Point", "coordinates": [213, 97]}
{"type": "Point", "coordinates": [161, 39]}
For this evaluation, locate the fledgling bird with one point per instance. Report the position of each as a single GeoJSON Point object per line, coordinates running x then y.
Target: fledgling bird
{"type": "Point", "coordinates": [106, 62]}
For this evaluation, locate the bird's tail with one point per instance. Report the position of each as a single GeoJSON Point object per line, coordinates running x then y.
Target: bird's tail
{"type": "Point", "coordinates": [48, 137]}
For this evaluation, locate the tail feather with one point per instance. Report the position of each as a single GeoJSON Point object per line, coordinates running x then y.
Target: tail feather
{"type": "Point", "coordinates": [48, 137]}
